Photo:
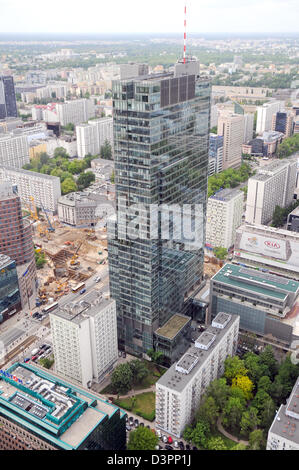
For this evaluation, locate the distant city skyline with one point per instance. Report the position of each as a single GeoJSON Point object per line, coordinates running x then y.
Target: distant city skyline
{"type": "Point", "coordinates": [115, 16]}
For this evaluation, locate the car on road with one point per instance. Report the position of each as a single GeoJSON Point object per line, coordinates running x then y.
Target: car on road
{"type": "Point", "coordinates": [27, 359]}
{"type": "Point", "coordinates": [82, 291]}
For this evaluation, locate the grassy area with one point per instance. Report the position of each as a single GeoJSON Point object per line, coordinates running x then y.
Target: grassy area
{"type": "Point", "coordinates": [155, 372]}
{"type": "Point", "coordinates": [228, 442]}
{"type": "Point", "coordinates": [142, 405]}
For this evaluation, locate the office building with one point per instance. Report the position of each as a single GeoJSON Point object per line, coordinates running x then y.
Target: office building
{"type": "Point", "coordinates": [215, 154]}
{"type": "Point", "coordinates": [268, 248]}
{"type": "Point", "coordinates": [45, 189]}
{"type": "Point", "coordinates": [262, 300]}
{"type": "Point", "coordinates": [224, 215]}
{"type": "Point", "coordinates": [78, 210]}
{"type": "Point", "coordinates": [161, 132]}
{"type": "Point", "coordinates": [91, 136]}
{"type": "Point", "coordinates": [284, 431]}
{"type": "Point", "coordinates": [16, 233]}
{"type": "Point", "coordinates": [41, 411]}
{"type": "Point", "coordinates": [293, 220]}
{"type": "Point", "coordinates": [14, 150]}
{"type": "Point", "coordinates": [263, 194]}
{"type": "Point", "coordinates": [85, 339]}
{"type": "Point", "coordinates": [75, 111]}
{"type": "Point", "coordinates": [179, 390]}
{"type": "Point", "coordinates": [283, 122]}
{"type": "Point", "coordinates": [132, 70]}
{"type": "Point", "coordinates": [265, 114]}
{"type": "Point", "coordinates": [173, 338]}
{"type": "Point", "coordinates": [8, 104]}
{"type": "Point", "coordinates": [271, 140]}
{"type": "Point", "coordinates": [9, 124]}
{"type": "Point", "coordinates": [231, 127]}
{"type": "Point", "coordinates": [10, 299]}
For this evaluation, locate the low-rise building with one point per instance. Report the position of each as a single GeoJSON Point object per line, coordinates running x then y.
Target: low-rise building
{"type": "Point", "coordinates": [78, 210]}
{"type": "Point", "coordinates": [179, 390]}
{"type": "Point", "coordinates": [284, 431]}
{"type": "Point", "coordinates": [85, 338]}
{"type": "Point", "coordinates": [293, 220]}
{"type": "Point", "coordinates": [261, 300]}
{"type": "Point", "coordinates": [173, 338]}
{"type": "Point", "coordinates": [39, 410]}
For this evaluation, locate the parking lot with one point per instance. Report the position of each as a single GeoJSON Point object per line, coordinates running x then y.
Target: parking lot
{"type": "Point", "coordinates": [166, 442]}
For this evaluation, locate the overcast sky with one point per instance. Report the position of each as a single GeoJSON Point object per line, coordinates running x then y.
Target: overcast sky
{"type": "Point", "coordinates": [105, 16]}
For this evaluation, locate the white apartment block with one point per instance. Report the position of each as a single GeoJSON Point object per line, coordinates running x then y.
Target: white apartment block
{"type": "Point", "coordinates": [284, 431]}
{"type": "Point", "coordinates": [91, 136]}
{"type": "Point", "coordinates": [75, 111]}
{"type": "Point", "coordinates": [179, 390]}
{"type": "Point", "coordinates": [14, 150]}
{"type": "Point", "coordinates": [45, 189]}
{"type": "Point", "coordinates": [224, 216]}
{"type": "Point", "coordinates": [85, 339]}
{"type": "Point", "coordinates": [248, 127]}
{"type": "Point", "coordinates": [59, 90]}
{"type": "Point", "coordinates": [265, 114]}
{"type": "Point", "coordinates": [273, 185]}
{"type": "Point", "coordinates": [231, 127]}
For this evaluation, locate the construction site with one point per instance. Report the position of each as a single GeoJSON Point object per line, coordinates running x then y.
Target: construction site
{"type": "Point", "coordinates": [72, 255]}
{"type": "Point", "coordinates": [211, 266]}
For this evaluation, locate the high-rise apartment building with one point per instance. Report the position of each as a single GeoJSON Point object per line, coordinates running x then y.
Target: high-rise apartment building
{"type": "Point", "coordinates": [75, 111]}
{"type": "Point", "coordinates": [16, 233]}
{"type": "Point", "coordinates": [91, 136]}
{"type": "Point", "coordinates": [224, 216]}
{"type": "Point", "coordinates": [14, 150]}
{"type": "Point", "coordinates": [284, 431]}
{"type": "Point", "coordinates": [179, 390]}
{"type": "Point", "coordinates": [272, 186]}
{"type": "Point", "coordinates": [85, 339]}
{"type": "Point", "coordinates": [231, 127]}
{"type": "Point", "coordinates": [8, 104]}
{"type": "Point", "coordinates": [265, 114]}
{"type": "Point", "coordinates": [215, 154]}
{"type": "Point", "coordinates": [161, 133]}
{"type": "Point", "coordinates": [45, 189]}
{"type": "Point", "coordinates": [283, 122]}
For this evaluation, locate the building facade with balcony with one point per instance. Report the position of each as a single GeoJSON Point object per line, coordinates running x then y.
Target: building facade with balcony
{"type": "Point", "coordinates": [179, 390]}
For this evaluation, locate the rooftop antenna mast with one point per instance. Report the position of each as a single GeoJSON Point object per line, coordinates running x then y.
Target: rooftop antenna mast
{"type": "Point", "coordinates": [185, 31]}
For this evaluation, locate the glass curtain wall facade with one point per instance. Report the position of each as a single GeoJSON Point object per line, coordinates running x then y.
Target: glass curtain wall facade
{"type": "Point", "coordinates": [10, 299]}
{"type": "Point", "coordinates": [161, 131]}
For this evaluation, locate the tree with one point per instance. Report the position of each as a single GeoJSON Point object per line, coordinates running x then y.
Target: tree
{"type": "Point", "coordinates": [278, 217]}
{"type": "Point", "coordinates": [268, 359]}
{"type": "Point", "coordinates": [239, 446]}
{"type": "Point", "coordinates": [255, 369]}
{"type": "Point", "coordinates": [208, 412]}
{"type": "Point", "coordinates": [236, 392]}
{"type": "Point", "coordinates": [46, 362]}
{"type": "Point", "coordinates": [40, 259]}
{"type": "Point", "coordinates": [219, 390]}
{"type": "Point", "coordinates": [216, 443]}
{"type": "Point", "coordinates": [245, 384]}
{"type": "Point", "coordinates": [256, 440]}
{"type": "Point", "coordinates": [249, 421]}
{"type": "Point", "coordinates": [232, 414]}
{"type": "Point", "coordinates": [234, 366]}
{"type": "Point", "coordinates": [112, 177]}
{"type": "Point", "coordinates": [106, 151]}
{"type": "Point", "coordinates": [85, 179]}
{"type": "Point", "coordinates": [44, 158]}
{"type": "Point", "coordinates": [220, 252]}
{"type": "Point", "coordinates": [68, 186]}
{"type": "Point", "coordinates": [122, 379]}
{"type": "Point", "coordinates": [264, 384]}
{"type": "Point", "coordinates": [156, 356]}
{"type": "Point", "coordinates": [260, 398]}
{"type": "Point", "coordinates": [200, 434]}
{"type": "Point", "coordinates": [69, 127]}
{"type": "Point", "coordinates": [76, 166]}
{"type": "Point", "coordinates": [267, 413]}
{"type": "Point", "coordinates": [139, 371]}
{"type": "Point", "coordinates": [88, 158]}
{"type": "Point", "coordinates": [61, 152]}
{"type": "Point", "coordinates": [213, 130]}
{"type": "Point", "coordinates": [142, 439]}
{"type": "Point", "coordinates": [284, 380]}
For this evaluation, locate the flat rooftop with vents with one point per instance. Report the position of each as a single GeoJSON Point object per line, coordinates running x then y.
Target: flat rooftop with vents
{"type": "Point", "coordinates": [173, 326]}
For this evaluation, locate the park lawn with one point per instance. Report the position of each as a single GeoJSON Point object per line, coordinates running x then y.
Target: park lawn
{"type": "Point", "coordinates": [142, 404]}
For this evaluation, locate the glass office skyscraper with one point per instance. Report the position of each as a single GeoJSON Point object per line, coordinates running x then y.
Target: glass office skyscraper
{"type": "Point", "coordinates": [161, 132]}
{"type": "Point", "coordinates": [8, 104]}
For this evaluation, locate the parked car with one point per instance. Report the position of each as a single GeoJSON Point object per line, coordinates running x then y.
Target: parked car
{"type": "Point", "coordinates": [158, 433]}
{"type": "Point", "coordinates": [128, 428]}
{"type": "Point", "coordinates": [33, 358]}
{"type": "Point", "coordinates": [170, 440]}
{"type": "Point", "coordinates": [27, 359]}
{"type": "Point", "coordinates": [136, 422]}
{"type": "Point", "coordinates": [194, 448]}
{"type": "Point", "coordinates": [182, 445]}
{"type": "Point", "coordinates": [141, 424]}
{"type": "Point", "coordinates": [124, 354]}
{"type": "Point", "coordinates": [82, 291]}
{"type": "Point", "coordinates": [176, 444]}
{"type": "Point", "coordinates": [187, 447]}
{"type": "Point", "coordinates": [164, 438]}
{"type": "Point", "coordinates": [168, 447]}
{"type": "Point", "coordinates": [119, 354]}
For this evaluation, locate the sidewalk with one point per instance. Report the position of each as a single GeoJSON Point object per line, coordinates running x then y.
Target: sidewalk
{"type": "Point", "coordinates": [228, 435]}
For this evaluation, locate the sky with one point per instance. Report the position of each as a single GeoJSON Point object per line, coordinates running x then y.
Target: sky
{"type": "Point", "coordinates": [149, 16]}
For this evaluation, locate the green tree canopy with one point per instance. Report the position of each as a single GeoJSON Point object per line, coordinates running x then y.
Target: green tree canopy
{"type": "Point", "coordinates": [257, 440]}
{"type": "Point", "coordinates": [85, 179]}
{"type": "Point", "coordinates": [216, 443]}
{"type": "Point", "coordinates": [142, 439]}
{"type": "Point", "coordinates": [122, 379]}
{"type": "Point", "coordinates": [234, 366]}
{"type": "Point", "coordinates": [106, 151]}
{"type": "Point", "coordinates": [232, 414]}
{"type": "Point", "coordinates": [68, 186]}
{"type": "Point", "coordinates": [220, 252]}
{"type": "Point", "coordinates": [219, 390]}
{"type": "Point", "coordinates": [249, 421]}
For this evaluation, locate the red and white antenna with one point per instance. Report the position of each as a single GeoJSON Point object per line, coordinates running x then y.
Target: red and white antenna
{"type": "Point", "coordinates": [185, 31]}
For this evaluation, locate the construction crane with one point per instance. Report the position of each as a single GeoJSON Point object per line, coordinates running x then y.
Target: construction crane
{"type": "Point", "coordinates": [75, 255]}
{"type": "Point", "coordinates": [50, 226]}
